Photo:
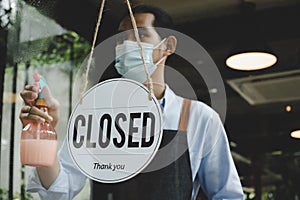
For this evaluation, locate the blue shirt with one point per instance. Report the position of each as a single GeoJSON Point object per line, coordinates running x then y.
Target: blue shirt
{"type": "Point", "coordinates": [212, 165]}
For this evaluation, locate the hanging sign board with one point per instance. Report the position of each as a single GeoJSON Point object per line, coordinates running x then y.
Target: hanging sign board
{"type": "Point", "coordinates": [115, 131]}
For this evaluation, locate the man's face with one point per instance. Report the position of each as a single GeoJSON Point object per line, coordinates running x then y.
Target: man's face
{"type": "Point", "coordinates": [146, 30]}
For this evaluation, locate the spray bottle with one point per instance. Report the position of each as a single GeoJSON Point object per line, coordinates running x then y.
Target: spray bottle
{"type": "Point", "coordinates": [38, 140]}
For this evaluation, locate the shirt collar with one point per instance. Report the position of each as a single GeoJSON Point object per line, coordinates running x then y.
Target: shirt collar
{"type": "Point", "coordinates": [171, 109]}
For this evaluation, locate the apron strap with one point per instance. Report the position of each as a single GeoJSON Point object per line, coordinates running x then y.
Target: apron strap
{"type": "Point", "coordinates": [184, 116]}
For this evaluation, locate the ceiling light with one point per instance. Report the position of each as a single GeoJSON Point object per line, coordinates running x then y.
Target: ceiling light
{"type": "Point", "coordinates": [251, 61]}
{"type": "Point", "coordinates": [288, 108]}
{"type": "Point", "coordinates": [250, 50]}
{"type": "Point", "coordinates": [213, 90]}
{"type": "Point", "coordinates": [295, 134]}
{"type": "Point", "coordinates": [276, 153]}
{"type": "Point", "coordinates": [233, 144]}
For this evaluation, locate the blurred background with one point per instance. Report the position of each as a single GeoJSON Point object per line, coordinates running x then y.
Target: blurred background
{"type": "Point", "coordinates": [263, 106]}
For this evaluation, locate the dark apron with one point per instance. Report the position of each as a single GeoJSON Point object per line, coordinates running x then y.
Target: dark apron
{"type": "Point", "coordinates": [173, 182]}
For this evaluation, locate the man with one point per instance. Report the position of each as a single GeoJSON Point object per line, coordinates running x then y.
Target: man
{"type": "Point", "coordinates": [209, 164]}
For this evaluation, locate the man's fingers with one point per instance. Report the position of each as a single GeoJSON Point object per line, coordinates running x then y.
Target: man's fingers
{"type": "Point", "coordinates": [26, 109]}
{"type": "Point", "coordinates": [51, 102]}
{"type": "Point", "coordinates": [27, 115]}
{"type": "Point", "coordinates": [29, 94]}
{"type": "Point", "coordinates": [28, 97]}
{"type": "Point", "coordinates": [46, 93]}
{"type": "Point", "coordinates": [31, 88]}
{"type": "Point", "coordinates": [33, 113]}
{"type": "Point", "coordinates": [30, 117]}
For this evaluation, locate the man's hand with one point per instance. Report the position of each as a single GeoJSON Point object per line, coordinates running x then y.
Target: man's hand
{"type": "Point", "coordinates": [29, 112]}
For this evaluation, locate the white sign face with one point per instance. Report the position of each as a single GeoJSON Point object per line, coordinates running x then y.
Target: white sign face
{"type": "Point", "coordinates": [115, 131]}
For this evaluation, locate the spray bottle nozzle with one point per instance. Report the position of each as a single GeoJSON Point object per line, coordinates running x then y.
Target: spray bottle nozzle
{"type": "Point", "coordinates": [36, 76]}
{"type": "Point", "coordinates": [40, 83]}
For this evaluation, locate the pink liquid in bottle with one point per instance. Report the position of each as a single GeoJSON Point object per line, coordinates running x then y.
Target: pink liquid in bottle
{"type": "Point", "coordinates": [38, 142]}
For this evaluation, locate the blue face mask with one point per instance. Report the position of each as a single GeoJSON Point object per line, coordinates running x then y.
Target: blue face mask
{"type": "Point", "coordinates": [129, 63]}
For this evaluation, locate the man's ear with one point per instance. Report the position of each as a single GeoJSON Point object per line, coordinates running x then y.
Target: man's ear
{"type": "Point", "coordinates": [171, 43]}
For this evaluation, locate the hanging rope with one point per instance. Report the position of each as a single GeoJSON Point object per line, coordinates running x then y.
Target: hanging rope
{"type": "Point", "coordinates": [149, 79]}
{"type": "Point", "coordinates": [137, 37]}
{"type": "Point", "coordinates": [86, 74]}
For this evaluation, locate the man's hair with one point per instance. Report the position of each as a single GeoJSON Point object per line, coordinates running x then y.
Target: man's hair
{"type": "Point", "coordinates": [161, 18]}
